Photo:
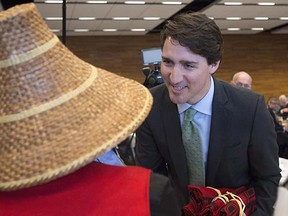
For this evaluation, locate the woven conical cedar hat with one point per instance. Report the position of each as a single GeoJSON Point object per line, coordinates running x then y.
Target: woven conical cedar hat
{"type": "Point", "coordinates": [57, 112]}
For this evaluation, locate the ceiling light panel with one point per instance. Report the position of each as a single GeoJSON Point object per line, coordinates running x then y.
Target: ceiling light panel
{"type": "Point", "coordinates": [56, 30]}
{"type": "Point", "coordinates": [230, 3]}
{"type": "Point", "coordinates": [96, 2]}
{"type": "Point", "coordinates": [53, 1]}
{"type": "Point", "coordinates": [233, 18]}
{"type": "Point", "coordinates": [86, 18]}
{"type": "Point", "coordinates": [81, 30]}
{"type": "Point", "coordinates": [138, 29]}
{"type": "Point", "coordinates": [53, 18]}
{"type": "Point", "coordinates": [121, 18]}
{"type": "Point", "coordinates": [135, 2]}
{"type": "Point", "coordinates": [261, 18]}
{"type": "Point", "coordinates": [266, 3]}
{"type": "Point", "coordinates": [154, 18]}
{"type": "Point", "coordinates": [251, 2]}
{"type": "Point", "coordinates": [171, 2]}
{"type": "Point", "coordinates": [233, 29]}
{"type": "Point", "coordinates": [257, 29]}
{"type": "Point", "coordinates": [109, 30]}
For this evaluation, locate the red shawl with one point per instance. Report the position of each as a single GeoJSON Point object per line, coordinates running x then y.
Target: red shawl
{"type": "Point", "coordinates": [95, 189]}
{"type": "Point", "coordinates": [223, 201]}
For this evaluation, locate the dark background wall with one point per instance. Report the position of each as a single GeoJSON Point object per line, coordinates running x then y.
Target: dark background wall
{"type": "Point", "coordinates": [264, 56]}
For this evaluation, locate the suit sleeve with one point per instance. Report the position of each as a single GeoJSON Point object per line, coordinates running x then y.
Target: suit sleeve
{"type": "Point", "coordinates": [147, 152]}
{"type": "Point", "coordinates": [264, 160]}
{"type": "Point", "coordinates": [163, 201]}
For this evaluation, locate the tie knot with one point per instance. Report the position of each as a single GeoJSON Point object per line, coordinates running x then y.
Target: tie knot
{"type": "Point", "coordinates": [190, 113]}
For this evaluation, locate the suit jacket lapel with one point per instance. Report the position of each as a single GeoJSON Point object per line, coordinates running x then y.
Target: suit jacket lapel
{"type": "Point", "coordinates": [173, 135]}
{"type": "Point", "coordinates": [220, 123]}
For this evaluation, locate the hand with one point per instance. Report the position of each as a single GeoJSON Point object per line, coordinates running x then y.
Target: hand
{"type": "Point", "coordinates": [284, 110]}
{"type": "Point", "coordinates": [285, 127]}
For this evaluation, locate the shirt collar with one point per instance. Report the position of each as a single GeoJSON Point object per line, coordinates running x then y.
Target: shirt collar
{"type": "Point", "coordinates": [204, 105]}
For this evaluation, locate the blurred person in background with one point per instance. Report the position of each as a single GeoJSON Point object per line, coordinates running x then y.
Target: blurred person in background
{"type": "Point", "coordinates": [242, 79]}
{"type": "Point", "coordinates": [281, 130]}
{"type": "Point", "coordinates": [283, 102]}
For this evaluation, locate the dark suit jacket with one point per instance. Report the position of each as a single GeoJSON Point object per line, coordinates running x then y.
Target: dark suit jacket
{"type": "Point", "coordinates": [242, 147]}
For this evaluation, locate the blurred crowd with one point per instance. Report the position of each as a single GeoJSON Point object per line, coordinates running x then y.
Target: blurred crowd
{"type": "Point", "coordinates": [278, 108]}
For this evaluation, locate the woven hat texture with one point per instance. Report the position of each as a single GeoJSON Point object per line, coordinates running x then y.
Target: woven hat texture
{"type": "Point", "coordinates": [57, 112]}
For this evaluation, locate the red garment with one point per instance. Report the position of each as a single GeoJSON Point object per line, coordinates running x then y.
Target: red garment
{"type": "Point", "coordinates": [203, 201]}
{"type": "Point", "coordinates": [248, 198]}
{"type": "Point", "coordinates": [96, 189]}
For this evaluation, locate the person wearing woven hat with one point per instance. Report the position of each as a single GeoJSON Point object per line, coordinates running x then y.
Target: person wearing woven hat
{"type": "Point", "coordinates": [232, 126]}
{"type": "Point", "coordinates": [55, 119]}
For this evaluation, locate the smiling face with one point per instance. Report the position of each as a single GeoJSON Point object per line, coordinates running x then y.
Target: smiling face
{"type": "Point", "coordinates": [186, 75]}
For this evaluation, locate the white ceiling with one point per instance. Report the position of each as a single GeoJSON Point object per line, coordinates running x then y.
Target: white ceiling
{"type": "Point", "coordinates": [104, 13]}
{"type": "Point", "coordinates": [248, 11]}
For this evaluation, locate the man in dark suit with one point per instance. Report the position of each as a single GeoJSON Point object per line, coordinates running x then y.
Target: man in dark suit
{"type": "Point", "coordinates": [235, 128]}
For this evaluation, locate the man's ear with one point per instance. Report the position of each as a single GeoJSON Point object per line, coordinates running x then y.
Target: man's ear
{"type": "Point", "coordinates": [214, 67]}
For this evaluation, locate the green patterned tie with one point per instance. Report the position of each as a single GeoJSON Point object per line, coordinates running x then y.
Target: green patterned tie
{"type": "Point", "coordinates": [193, 149]}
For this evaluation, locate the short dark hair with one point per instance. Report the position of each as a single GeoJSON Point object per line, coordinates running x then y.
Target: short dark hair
{"type": "Point", "coordinates": [197, 32]}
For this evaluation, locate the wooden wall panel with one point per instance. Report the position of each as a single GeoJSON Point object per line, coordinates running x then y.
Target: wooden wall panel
{"type": "Point", "coordinates": [264, 56]}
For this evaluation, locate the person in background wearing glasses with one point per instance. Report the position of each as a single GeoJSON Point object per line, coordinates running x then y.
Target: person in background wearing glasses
{"type": "Point", "coordinates": [242, 79]}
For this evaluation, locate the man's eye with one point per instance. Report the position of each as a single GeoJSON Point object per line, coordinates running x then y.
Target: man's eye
{"type": "Point", "coordinates": [167, 62]}
{"type": "Point", "coordinates": [189, 66]}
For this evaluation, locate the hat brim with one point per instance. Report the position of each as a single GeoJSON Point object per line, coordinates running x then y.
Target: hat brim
{"type": "Point", "coordinates": [58, 113]}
